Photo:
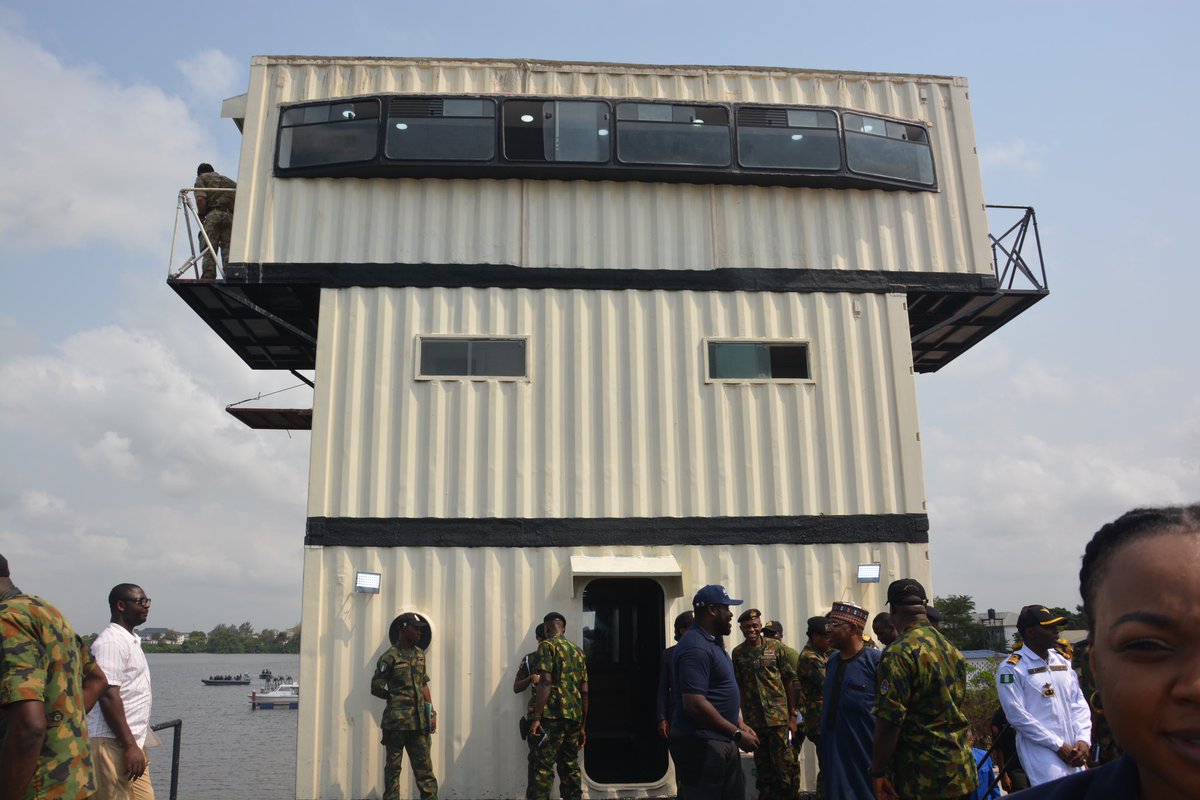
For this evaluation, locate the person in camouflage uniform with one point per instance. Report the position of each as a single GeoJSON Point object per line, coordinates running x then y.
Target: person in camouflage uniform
{"type": "Point", "coordinates": [1104, 744]}
{"type": "Point", "coordinates": [774, 630]}
{"type": "Point", "coordinates": [409, 718]}
{"type": "Point", "coordinates": [765, 681]}
{"type": "Point", "coordinates": [48, 683]}
{"type": "Point", "coordinates": [527, 677]}
{"type": "Point", "coordinates": [216, 215]}
{"type": "Point", "coordinates": [557, 731]}
{"type": "Point", "coordinates": [810, 681]}
{"type": "Point", "coordinates": [921, 746]}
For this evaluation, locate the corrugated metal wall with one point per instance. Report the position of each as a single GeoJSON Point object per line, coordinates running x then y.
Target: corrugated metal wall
{"type": "Point", "coordinates": [616, 419]}
{"type": "Point", "coordinates": [483, 604]}
{"type": "Point", "coordinates": [616, 225]}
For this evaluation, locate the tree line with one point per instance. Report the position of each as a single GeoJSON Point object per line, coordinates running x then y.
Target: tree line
{"type": "Point", "coordinates": [223, 639]}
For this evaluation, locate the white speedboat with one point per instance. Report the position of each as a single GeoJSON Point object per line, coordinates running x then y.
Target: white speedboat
{"type": "Point", "coordinates": [279, 693]}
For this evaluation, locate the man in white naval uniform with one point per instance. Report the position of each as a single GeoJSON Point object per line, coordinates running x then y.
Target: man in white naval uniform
{"type": "Point", "coordinates": [1041, 698]}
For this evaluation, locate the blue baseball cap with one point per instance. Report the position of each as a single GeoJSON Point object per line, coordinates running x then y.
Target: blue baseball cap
{"type": "Point", "coordinates": [714, 595]}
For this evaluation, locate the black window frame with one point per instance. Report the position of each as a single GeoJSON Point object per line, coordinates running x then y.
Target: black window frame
{"type": "Point", "coordinates": [304, 107]}
{"type": "Point", "coordinates": [420, 374]}
{"type": "Point", "coordinates": [805, 345]}
{"type": "Point", "coordinates": [499, 166]}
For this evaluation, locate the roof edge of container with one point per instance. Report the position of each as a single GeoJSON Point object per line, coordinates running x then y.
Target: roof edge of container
{"type": "Point", "coordinates": [538, 64]}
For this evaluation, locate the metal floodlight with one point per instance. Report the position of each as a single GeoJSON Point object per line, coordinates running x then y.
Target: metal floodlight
{"type": "Point", "coordinates": [868, 573]}
{"type": "Point", "coordinates": [367, 582]}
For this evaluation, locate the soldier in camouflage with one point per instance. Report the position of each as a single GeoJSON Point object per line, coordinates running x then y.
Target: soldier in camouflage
{"type": "Point", "coordinates": [557, 730]}
{"type": "Point", "coordinates": [409, 718]}
{"type": "Point", "coordinates": [921, 746]}
{"type": "Point", "coordinates": [810, 679]}
{"type": "Point", "coordinates": [765, 681]}
{"type": "Point", "coordinates": [774, 630]}
{"type": "Point", "coordinates": [527, 678]}
{"type": "Point", "coordinates": [48, 683]}
{"type": "Point", "coordinates": [216, 215]}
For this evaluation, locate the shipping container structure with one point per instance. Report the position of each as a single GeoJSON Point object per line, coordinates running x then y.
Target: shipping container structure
{"type": "Point", "coordinates": [585, 338]}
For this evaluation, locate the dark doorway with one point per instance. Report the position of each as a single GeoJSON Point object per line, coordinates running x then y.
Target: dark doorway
{"type": "Point", "coordinates": [623, 639]}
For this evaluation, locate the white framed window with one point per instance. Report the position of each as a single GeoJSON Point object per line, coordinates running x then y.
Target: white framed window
{"type": "Point", "coordinates": [757, 361]}
{"type": "Point", "coordinates": [504, 358]}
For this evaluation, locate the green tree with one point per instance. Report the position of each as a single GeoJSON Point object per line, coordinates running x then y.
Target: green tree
{"type": "Point", "coordinates": [960, 624]}
{"type": "Point", "coordinates": [197, 642]}
{"type": "Point", "coordinates": [225, 639]}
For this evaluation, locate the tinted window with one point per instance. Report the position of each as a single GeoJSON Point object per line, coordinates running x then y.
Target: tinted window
{"type": "Point", "coordinates": [556, 130]}
{"type": "Point", "coordinates": [757, 361]}
{"type": "Point", "coordinates": [658, 133]}
{"type": "Point", "coordinates": [333, 133]}
{"type": "Point", "coordinates": [788, 138]}
{"type": "Point", "coordinates": [441, 129]}
{"type": "Point", "coordinates": [500, 358]}
{"type": "Point", "coordinates": [888, 149]}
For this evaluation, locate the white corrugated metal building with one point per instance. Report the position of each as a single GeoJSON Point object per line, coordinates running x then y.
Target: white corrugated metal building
{"type": "Point", "coordinates": [654, 349]}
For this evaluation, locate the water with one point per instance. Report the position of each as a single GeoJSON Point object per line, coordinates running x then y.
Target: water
{"type": "Point", "coordinates": [229, 751]}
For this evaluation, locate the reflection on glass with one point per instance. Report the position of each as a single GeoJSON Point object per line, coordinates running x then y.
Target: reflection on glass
{"type": "Point", "coordinates": [473, 358]}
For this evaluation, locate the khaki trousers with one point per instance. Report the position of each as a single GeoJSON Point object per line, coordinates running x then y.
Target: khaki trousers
{"type": "Point", "coordinates": [108, 764]}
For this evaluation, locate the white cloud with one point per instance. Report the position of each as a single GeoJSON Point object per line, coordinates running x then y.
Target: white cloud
{"type": "Point", "coordinates": [1017, 155]}
{"type": "Point", "coordinates": [213, 75]}
{"type": "Point", "coordinates": [111, 453]}
{"type": "Point", "coordinates": [86, 158]}
{"type": "Point", "coordinates": [1052, 455]}
{"type": "Point", "coordinates": [171, 489]}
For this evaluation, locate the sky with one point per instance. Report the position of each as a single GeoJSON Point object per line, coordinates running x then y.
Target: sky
{"type": "Point", "coordinates": [119, 463]}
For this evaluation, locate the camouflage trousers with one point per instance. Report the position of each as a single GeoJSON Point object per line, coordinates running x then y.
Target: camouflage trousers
{"type": "Point", "coordinates": [218, 227]}
{"type": "Point", "coordinates": [418, 746]}
{"type": "Point", "coordinates": [560, 748]}
{"type": "Point", "coordinates": [777, 773]}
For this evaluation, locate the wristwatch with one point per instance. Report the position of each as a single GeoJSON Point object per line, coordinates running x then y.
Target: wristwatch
{"type": "Point", "coordinates": [737, 735]}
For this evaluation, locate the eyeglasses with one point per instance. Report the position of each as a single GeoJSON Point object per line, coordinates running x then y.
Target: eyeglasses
{"type": "Point", "coordinates": [144, 602]}
{"type": "Point", "coordinates": [832, 625]}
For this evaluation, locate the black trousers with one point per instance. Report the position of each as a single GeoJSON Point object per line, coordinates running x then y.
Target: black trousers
{"type": "Point", "coordinates": [707, 769]}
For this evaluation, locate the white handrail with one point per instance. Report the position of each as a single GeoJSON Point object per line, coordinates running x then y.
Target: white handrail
{"type": "Point", "coordinates": [185, 210]}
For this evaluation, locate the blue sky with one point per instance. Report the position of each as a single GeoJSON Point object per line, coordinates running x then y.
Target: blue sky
{"type": "Point", "coordinates": [117, 461]}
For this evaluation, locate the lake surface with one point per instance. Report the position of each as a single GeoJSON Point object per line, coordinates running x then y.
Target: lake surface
{"type": "Point", "coordinates": [229, 751]}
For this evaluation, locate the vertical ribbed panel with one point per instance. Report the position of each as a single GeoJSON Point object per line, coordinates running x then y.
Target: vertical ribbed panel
{"type": "Point", "coordinates": [613, 225]}
{"type": "Point", "coordinates": [616, 419]}
{"type": "Point", "coordinates": [483, 604]}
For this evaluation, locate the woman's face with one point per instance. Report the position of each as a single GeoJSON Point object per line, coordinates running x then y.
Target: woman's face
{"type": "Point", "coordinates": [1146, 658]}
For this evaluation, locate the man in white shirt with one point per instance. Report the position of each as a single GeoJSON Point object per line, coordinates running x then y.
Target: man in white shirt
{"type": "Point", "coordinates": [1041, 698]}
{"type": "Point", "coordinates": [120, 723]}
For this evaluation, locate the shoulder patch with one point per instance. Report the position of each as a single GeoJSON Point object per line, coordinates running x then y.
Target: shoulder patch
{"type": "Point", "coordinates": [884, 686]}
{"type": "Point", "coordinates": [1006, 677]}
{"type": "Point", "coordinates": [1015, 658]}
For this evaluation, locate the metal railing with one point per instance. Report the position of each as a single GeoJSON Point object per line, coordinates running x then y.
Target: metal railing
{"type": "Point", "coordinates": [177, 724]}
{"type": "Point", "coordinates": [1008, 253]}
{"type": "Point", "coordinates": [198, 241]}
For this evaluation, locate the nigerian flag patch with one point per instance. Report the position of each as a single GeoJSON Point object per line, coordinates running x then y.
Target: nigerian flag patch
{"type": "Point", "coordinates": [1006, 678]}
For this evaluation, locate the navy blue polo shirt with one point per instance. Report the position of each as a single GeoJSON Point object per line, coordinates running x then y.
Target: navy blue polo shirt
{"type": "Point", "coordinates": [703, 667]}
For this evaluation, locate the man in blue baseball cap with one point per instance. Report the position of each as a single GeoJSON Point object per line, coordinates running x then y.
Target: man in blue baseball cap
{"type": "Point", "coordinates": [706, 728]}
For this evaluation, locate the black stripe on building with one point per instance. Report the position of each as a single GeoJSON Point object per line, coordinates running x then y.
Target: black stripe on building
{"type": "Point", "coordinates": [644, 531]}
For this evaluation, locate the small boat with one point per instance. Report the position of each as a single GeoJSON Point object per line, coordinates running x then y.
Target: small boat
{"type": "Point", "coordinates": [278, 693]}
{"type": "Point", "coordinates": [266, 675]}
{"type": "Point", "coordinates": [240, 679]}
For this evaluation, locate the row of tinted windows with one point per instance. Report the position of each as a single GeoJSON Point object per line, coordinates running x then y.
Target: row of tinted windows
{"type": "Point", "coordinates": [595, 132]}
{"type": "Point", "coordinates": [444, 357]}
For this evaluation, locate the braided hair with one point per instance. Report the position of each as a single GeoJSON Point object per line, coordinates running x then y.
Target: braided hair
{"type": "Point", "coordinates": [1139, 523]}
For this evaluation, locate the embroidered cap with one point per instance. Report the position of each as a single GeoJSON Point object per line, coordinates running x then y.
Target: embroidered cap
{"type": "Point", "coordinates": [849, 612]}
